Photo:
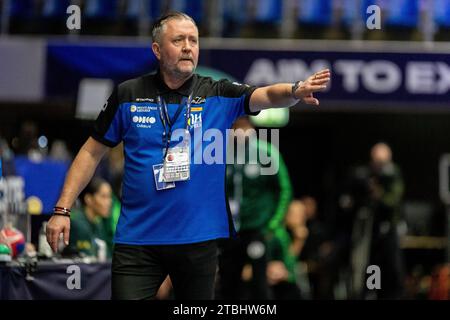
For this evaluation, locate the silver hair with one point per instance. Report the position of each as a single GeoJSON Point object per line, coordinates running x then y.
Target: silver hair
{"type": "Point", "coordinates": [159, 24]}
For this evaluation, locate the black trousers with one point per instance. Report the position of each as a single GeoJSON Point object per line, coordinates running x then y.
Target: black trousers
{"type": "Point", "coordinates": [138, 270]}
{"type": "Point", "coordinates": [387, 254]}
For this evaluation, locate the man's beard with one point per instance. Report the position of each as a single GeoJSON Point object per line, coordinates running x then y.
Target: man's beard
{"type": "Point", "coordinates": [176, 72]}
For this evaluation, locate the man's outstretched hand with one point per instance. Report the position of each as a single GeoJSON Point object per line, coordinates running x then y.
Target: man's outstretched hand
{"type": "Point", "coordinates": [316, 82]}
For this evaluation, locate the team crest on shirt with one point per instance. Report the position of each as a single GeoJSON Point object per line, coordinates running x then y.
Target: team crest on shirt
{"type": "Point", "coordinates": [195, 120]}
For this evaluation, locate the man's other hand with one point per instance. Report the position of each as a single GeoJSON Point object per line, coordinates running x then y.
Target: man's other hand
{"type": "Point", "coordinates": [57, 225]}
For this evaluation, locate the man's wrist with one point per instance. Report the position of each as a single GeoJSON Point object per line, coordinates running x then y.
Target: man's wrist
{"type": "Point", "coordinates": [61, 211]}
{"type": "Point", "coordinates": [61, 214]}
{"type": "Point", "coordinates": [294, 88]}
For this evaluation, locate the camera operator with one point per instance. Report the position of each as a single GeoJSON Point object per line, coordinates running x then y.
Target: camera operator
{"type": "Point", "coordinates": [375, 199]}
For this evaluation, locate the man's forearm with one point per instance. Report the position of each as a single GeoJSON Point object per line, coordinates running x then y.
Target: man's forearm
{"type": "Point", "coordinates": [80, 172]}
{"type": "Point", "coordinates": [275, 96]}
{"type": "Point", "coordinates": [282, 95]}
{"type": "Point", "coordinates": [278, 96]}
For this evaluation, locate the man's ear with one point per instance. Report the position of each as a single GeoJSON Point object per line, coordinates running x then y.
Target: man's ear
{"type": "Point", "coordinates": [156, 50]}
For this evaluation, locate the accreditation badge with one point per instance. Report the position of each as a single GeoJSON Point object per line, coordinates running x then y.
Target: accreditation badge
{"type": "Point", "coordinates": [158, 170]}
{"type": "Point", "coordinates": [177, 164]}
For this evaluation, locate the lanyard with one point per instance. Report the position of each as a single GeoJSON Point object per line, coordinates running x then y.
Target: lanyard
{"type": "Point", "coordinates": [167, 134]}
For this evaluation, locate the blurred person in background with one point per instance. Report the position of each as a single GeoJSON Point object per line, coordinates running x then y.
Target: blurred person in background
{"type": "Point", "coordinates": [116, 161]}
{"type": "Point", "coordinates": [375, 198]}
{"type": "Point", "coordinates": [110, 169]}
{"type": "Point", "coordinates": [60, 152]}
{"type": "Point", "coordinates": [258, 203]}
{"type": "Point", "coordinates": [386, 188]}
{"type": "Point", "coordinates": [26, 142]}
{"type": "Point", "coordinates": [320, 252]}
{"type": "Point", "coordinates": [284, 247]}
{"type": "Point", "coordinates": [88, 222]}
{"type": "Point", "coordinates": [6, 158]}
{"type": "Point", "coordinates": [296, 225]}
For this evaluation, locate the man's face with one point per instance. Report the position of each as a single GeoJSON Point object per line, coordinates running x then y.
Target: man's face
{"type": "Point", "coordinates": [178, 48]}
{"type": "Point", "coordinates": [380, 154]}
{"type": "Point", "coordinates": [296, 215]}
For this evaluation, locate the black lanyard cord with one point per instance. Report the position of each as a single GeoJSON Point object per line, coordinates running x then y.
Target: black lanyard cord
{"type": "Point", "coordinates": [164, 116]}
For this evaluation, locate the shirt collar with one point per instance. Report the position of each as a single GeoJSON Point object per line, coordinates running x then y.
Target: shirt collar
{"type": "Point", "coordinates": [184, 90]}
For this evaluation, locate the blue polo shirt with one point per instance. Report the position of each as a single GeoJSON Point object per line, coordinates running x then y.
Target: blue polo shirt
{"type": "Point", "coordinates": [195, 210]}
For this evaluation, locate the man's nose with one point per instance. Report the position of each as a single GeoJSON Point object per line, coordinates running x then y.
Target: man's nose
{"type": "Point", "coordinates": [187, 46]}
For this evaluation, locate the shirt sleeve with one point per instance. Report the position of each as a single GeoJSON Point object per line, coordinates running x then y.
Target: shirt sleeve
{"type": "Point", "coordinates": [238, 96]}
{"type": "Point", "coordinates": [108, 127]}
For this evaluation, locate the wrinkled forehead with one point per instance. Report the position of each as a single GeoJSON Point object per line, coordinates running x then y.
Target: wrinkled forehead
{"type": "Point", "coordinates": [176, 26]}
